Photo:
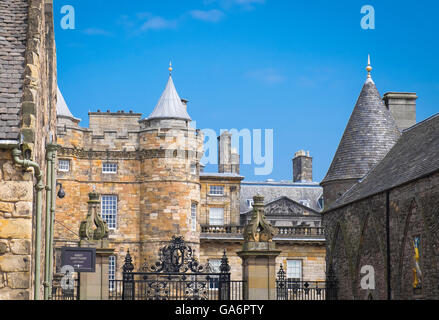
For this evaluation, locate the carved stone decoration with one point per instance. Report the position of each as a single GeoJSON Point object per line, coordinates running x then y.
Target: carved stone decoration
{"type": "Point", "coordinates": [258, 229]}
{"type": "Point", "coordinates": [94, 227]}
{"type": "Point", "coordinates": [284, 207]}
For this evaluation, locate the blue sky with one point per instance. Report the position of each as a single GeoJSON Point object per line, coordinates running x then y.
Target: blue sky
{"type": "Point", "coordinates": [296, 67]}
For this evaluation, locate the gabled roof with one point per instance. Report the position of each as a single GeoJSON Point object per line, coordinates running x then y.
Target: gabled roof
{"type": "Point", "coordinates": [272, 191]}
{"type": "Point", "coordinates": [284, 206]}
{"type": "Point", "coordinates": [13, 33]}
{"type": "Point", "coordinates": [371, 132]}
{"type": "Point", "coordinates": [61, 107]}
{"type": "Point", "coordinates": [170, 105]}
{"type": "Point", "coordinates": [415, 155]}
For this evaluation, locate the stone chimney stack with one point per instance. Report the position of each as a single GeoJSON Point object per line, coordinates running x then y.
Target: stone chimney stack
{"type": "Point", "coordinates": [235, 161]}
{"type": "Point", "coordinates": [402, 106]}
{"type": "Point", "coordinates": [302, 167]}
{"type": "Point", "coordinates": [228, 158]}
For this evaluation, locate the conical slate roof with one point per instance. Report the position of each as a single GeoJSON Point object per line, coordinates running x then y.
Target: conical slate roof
{"type": "Point", "coordinates": [61, 106]}
{"type": "Point", "coordinates": [371, 132]}
{"type": "Point", "coordinates": [170, 105]}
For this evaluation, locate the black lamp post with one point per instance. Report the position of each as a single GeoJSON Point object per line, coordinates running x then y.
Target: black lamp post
{"type": "Point", "coordinates": [61, 193]}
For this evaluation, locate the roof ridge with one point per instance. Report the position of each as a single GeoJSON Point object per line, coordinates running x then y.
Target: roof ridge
{"type": "Point", "coordinates": [421, 122]}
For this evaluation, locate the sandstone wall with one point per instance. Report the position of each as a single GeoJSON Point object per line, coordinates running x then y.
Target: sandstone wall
{"type": "Point", "coordinates": [37, 126]}
{"type": "Point", "coordinates": [312, 256]}
{"type": "Point", "coordinates": [16, 210]}
{"type": "Point", "coordinates": [229, 201]}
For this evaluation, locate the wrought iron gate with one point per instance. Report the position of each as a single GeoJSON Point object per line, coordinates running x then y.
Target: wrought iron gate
{"type": "Point", "coordinates": [177, 276]}
{"type": "Point", "coordinates": [292, 289]}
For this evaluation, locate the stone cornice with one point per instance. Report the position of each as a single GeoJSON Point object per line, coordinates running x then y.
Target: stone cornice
{"type": "Point", "coordinates": [128, 155]}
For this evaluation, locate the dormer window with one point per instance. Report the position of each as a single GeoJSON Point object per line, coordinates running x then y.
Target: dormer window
{"type": "Point", "coordinates": [250, 203]}
{"type": "Point", "coordinates": [304, 203]}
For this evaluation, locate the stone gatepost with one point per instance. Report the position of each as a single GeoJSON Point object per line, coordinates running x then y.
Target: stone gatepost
{"type": "Point", "coordinates": [94, 234]}
{"type": "Point", "coordinates": [259, 256]}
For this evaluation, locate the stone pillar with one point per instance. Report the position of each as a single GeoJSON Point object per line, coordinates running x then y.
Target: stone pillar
{"type": "Point", "coordinates": [95, 285]}
{"type": "Point", "coordinates": [259, 270]}
{"type": "Point", "coordinates": [259, 256]}
{"type": "Point", "coordinates": [94, 234]}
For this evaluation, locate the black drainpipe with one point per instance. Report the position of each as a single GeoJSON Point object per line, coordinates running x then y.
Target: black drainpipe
{"type": "Point", "coordinates": [389, 289]}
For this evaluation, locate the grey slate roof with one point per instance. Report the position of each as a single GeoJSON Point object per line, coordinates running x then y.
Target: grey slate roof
{"type": "Point", "coordinates": [170, 105]}
{"type": "Point", "coordinates": [13, 32]}
{"type": "Point", "coordinates": [311, 212]}
{"type": "Point", "coordinates": [220, 175]}
{"type": "Point", "coordinates": [415, 155]}
{"type": "Point", "coordinates": [274, 190]}
{"type": "Point", "coordinates": [371, 132]}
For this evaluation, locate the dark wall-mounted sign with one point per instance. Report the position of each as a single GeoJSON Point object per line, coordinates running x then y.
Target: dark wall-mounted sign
{"type": "Point", "coordinates": [81, 259]}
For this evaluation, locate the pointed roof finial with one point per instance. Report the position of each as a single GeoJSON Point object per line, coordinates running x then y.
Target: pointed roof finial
{"type": "Point", "coordinates": [170, 68]}
{"type": "Point", "coordinates": [369, 67]}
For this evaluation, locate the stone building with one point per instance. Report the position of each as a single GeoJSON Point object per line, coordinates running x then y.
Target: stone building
{"type": "Point", "coordinates": [27, 128]}
{"type": "Point", "coordinates": [153, 186]}
{"type": "Point", "coordinates": [381, 216]}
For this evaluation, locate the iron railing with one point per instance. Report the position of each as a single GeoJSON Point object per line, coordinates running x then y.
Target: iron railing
{"type": "Point", "coordinates": [176, 276]}
{"type": "Point", "coordinates": [58, 293]}
{"type": "Point", "coordinates": [293, 289]}
{"type": "Point", "coordinates": [155, 288]}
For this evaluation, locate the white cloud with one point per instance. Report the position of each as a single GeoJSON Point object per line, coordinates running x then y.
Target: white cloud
{"type": "Point", "coordinates": [245, 4]}
{"type": "Point", "coordinates": [267, 76]}
{"type": "Point", "coordinates": [158, 23]}
{"type": "Point", "coordinates": [96, 32]}
{"type": "Point", "coordinates": [213, 15]}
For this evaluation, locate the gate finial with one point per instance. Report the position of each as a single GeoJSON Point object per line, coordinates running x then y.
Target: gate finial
{"type": "Point", "coordinates": [128, 265]}
{"type": "Point", "coordinates": [224, 267]}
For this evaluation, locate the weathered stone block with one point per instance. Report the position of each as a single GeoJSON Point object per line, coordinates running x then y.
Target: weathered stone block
{"type": "Point", "coordinates": [18, 280]}
{"type": "Point", "coordinates": [15, 228]}
{"type": "Point", "coordinates": [20, 246]}
{"type": "Point", "coordinates": [4, 247]}
{"type": "Point", "coordinates": [13, 263]}
{"type": "Point", "coordinates": [16, 190]}
{"type": "Point", "coordinates": [23, 209]}
{"type": "Point", "coordinates": [14, 294]}
{"type": "Point", "coordinates": [6, 207]}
